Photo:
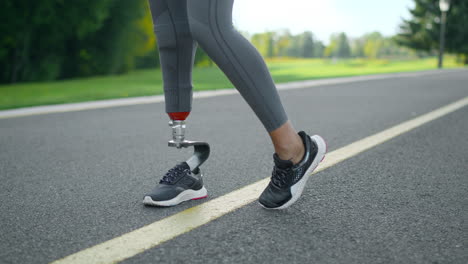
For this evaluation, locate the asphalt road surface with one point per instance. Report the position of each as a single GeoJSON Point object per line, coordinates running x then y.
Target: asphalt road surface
{"type": "Point", "coordinates": [69, 181]}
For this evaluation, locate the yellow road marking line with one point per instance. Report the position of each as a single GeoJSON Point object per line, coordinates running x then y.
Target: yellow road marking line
{"type": "Point", "coordinates": [137, 241]}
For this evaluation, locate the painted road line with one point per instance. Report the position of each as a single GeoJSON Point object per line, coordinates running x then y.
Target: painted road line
{"type": "Point", "coordinates": [137, 241]}
{"type": "Point", "coordinates": [72, 107]}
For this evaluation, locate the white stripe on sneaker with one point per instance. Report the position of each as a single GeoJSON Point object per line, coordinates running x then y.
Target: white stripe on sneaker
{"type": "Point", "coordinates": [181, 197]}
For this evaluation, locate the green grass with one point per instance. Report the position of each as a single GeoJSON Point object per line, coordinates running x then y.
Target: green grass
{"type": "Point", "coordinates": [149, 82]}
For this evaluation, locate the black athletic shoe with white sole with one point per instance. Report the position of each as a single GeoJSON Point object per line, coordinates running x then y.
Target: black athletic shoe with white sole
{"type": "Point", "coordinates": [288, 180]}
{"type": "Point", "coordinates": [180, 184]}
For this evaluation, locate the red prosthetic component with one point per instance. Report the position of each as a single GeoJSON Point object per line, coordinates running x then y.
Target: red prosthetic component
{"type": "Point", "coordinates": [178, 115]}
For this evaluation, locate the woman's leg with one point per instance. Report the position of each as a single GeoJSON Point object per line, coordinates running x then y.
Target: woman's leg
{"type": "Point", "coordinates": [176, 51]}
{"type": "Point", "coordinates": [211, 25]}
{"type": "Point", "coordinates": [297, 155]}
{"type": "Point", "coordinates": [287, 143]}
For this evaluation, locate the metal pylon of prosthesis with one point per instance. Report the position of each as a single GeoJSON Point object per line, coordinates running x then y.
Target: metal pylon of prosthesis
{"type": "Point", "coordinates": [201, 149]}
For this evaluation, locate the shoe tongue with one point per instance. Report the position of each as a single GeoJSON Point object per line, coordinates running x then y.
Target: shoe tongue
{"type": "Point", "coordinates": [184, 165]}
{"type": "Point", "coordinates": [282, 164]}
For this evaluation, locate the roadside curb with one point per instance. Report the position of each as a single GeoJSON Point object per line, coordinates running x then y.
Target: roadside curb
{"type": "Point", "coordinates": [60, 108]}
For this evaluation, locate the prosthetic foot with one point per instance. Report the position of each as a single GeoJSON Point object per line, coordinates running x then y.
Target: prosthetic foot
{"type": "Point", "coordinates": [183, 182]}
{"type": "Point", "coordinates": [201, 149]}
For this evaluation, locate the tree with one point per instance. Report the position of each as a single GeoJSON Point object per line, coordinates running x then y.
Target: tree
{"type": "Point", "coordinates": [339, 46]}
{"type": "Point", "coordinates": [57, 39]}
{"type": "Point", "coordinates": [259, 42]}
{"type": "Point", "coordinates": [343, 49]}
{"type": "Point", "coordinates": [357, 47]}
{"type": "Point", "coordinates": [36, 34]}
{"type": "Point", "coordinates": [294, 47]}
{"type": "Point", "coordinates": [319, 49]}
{"type": "Point", "coordinates": [373, 45]}
{"type": "Point", "coordinates": [301, 45]}
{"type": "Point", "coordinates": [113, 48]}
{"type": "Point", "coordinates": [330, 50]}
{"type": "Point", "coordinates": [265, 43]}
{"type": "Point", "coordinates": [283, 41]}
{"type": "Point", "coordinates": [271, 45]}
{"type": "Point", "coordinates": [421, 31]}
{"type": "Point", "coordinates": [306, 45]}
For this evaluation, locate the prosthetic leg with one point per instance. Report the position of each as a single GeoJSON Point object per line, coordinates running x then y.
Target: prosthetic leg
{"type": "Point", "coordinates": [177, 50]}
{"type": "Point", "coordinates": [201, 149]}
{"type": "Point", "coordinates": [183, 182]}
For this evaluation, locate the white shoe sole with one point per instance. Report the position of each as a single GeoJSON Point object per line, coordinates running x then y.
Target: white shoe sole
{"type": "Point", "coordinates": [296, 189]}
{"type": "Point", "coordinates": [182, 197]}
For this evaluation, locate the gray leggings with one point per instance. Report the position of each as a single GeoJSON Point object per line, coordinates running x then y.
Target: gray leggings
{"type": "Point", "coordinates": [180, 24]}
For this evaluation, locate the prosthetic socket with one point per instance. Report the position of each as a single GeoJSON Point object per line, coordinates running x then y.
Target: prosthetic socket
{"type": "Point", "coordinates": [201, 149]}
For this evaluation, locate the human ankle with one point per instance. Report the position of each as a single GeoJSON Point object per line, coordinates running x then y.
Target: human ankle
{"type": "Point", "coordinates": [292, 152]}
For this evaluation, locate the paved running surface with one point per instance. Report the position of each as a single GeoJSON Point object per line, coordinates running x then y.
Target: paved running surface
{"type": "Point", "coordinates": [69, 181]}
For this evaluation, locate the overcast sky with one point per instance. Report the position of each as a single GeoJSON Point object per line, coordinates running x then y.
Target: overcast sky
{"type": "Point", "coordinates": [322, 17]}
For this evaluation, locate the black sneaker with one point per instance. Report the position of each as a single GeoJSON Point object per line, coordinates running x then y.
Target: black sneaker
{"type": "Point", "coordinates": [288, 180]}
{"type": "Point", "coordinates": [178, 185]}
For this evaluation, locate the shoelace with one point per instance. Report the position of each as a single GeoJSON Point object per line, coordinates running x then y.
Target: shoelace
{"type": "Point", "coordinates": [279, 176]}
{"type": "Point", "coordinates": [173, 174]}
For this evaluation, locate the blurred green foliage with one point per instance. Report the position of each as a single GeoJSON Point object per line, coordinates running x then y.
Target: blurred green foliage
{"type": "Point", "coordinates": [375, 45]}
{"type": "Point", "coordinates": [44, 40]}
{"type": "Point", "coordinates": [339, 46]}
{"type": "Point", "coordinates": [58, 39]}
{"type": "Point", "coordinates": [422, 30]}
{"type": "Point", "coordinates": [305, 45]}
{"type": "Point", "coordinates": [284, 44]}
